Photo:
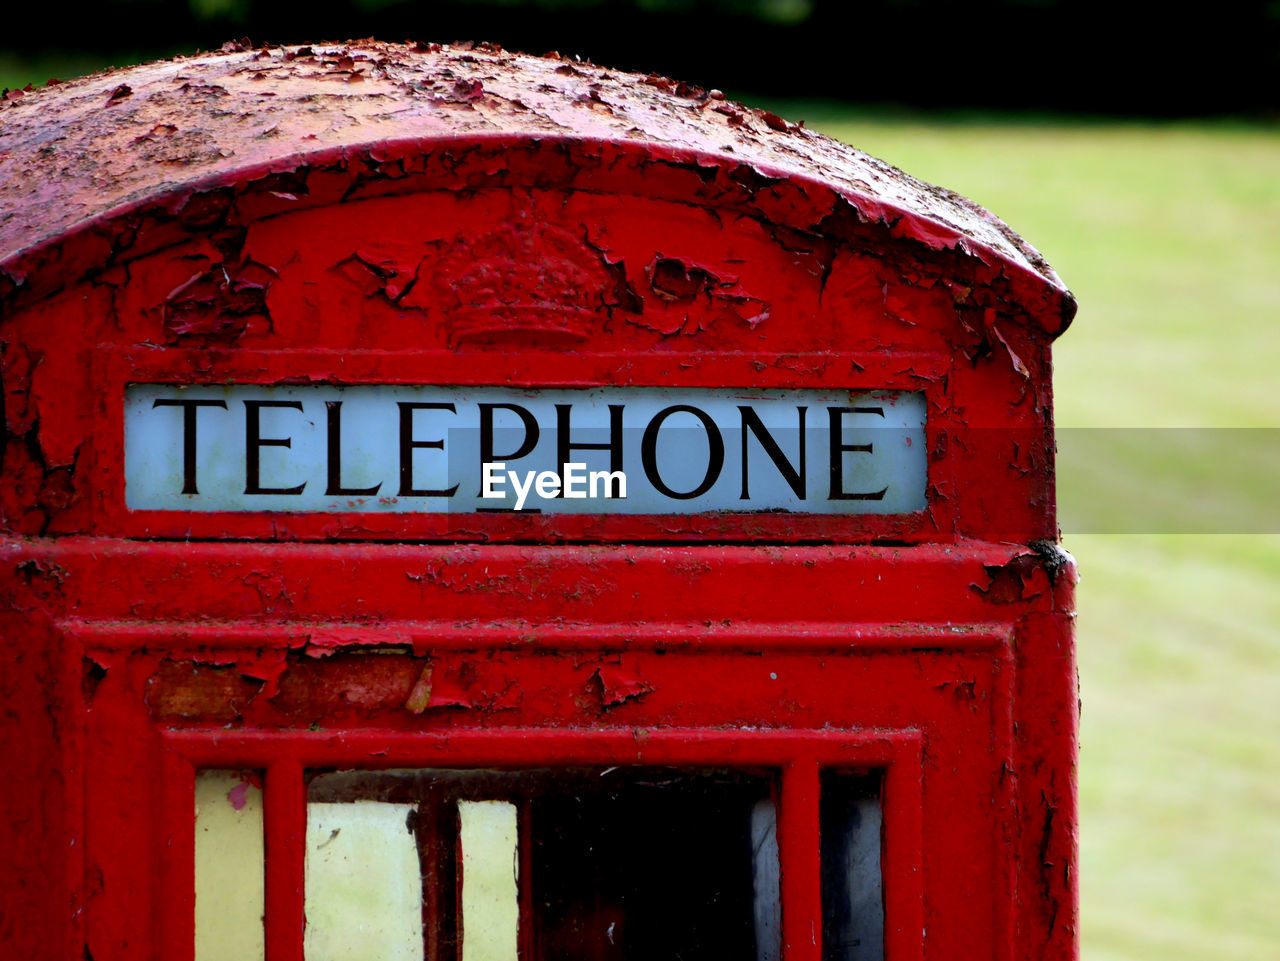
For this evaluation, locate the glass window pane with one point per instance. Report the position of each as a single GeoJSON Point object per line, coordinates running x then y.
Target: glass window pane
{"type": "Point", "coordinates": [852, 898]}
{"type": "Point", "coordinates": [656, 865]}
{"type": "Point", "coordinates": [490, 879]}
{"type": "Point", "coordinates": [363, 886]}
{"type": "Point", "coordinates": [229, 868]}
{"type": "Point", "coordinates": [632, 864]}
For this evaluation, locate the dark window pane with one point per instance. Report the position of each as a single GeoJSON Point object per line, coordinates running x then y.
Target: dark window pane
{"type": "Point", "coordinates": [656, 866]}
{"type": "Point", "coordinates": [852, 897]}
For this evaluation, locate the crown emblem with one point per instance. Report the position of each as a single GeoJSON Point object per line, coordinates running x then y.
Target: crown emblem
{"type": "Point", "coordinates": [525, 281]}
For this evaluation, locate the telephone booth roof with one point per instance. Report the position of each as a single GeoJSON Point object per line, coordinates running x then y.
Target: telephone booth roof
{"type": "Point", "coordinates": [99, 170]}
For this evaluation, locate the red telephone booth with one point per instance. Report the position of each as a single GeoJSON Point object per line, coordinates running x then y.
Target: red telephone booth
{"type": "Point", "coordinates": [461, 506]}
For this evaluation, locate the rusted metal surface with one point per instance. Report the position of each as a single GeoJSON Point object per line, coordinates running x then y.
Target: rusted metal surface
{"type": "Point", "coordinates": [377, 214]}
{"type": "Point", "coordinates": [158, 140]}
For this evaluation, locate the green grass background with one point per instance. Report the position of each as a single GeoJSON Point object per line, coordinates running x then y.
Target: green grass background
{"type": "Point", "coordinates": [1169, 235]}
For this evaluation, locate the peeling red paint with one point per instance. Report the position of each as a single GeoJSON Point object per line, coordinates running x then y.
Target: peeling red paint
{"type": "Point", "coordinates": [682, 282]}
{"type": "Point", "coordinates": [616, 685]}
{"type": "Point", "coordinates": [370, 213]}
{"type": "Point", "coordinates": [1024, 576]}
{"type": "Point", "coordinates": [215, 307]}
{"type": "Point", "coordinates": [451, 94]}
{"type": "Point", "coordinates": [451, 692]}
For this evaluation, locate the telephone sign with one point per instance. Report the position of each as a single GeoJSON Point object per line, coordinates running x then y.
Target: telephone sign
{"type": "Point", "coordinates": [632, 450]}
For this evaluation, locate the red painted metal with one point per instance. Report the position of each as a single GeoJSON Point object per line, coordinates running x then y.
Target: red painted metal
{"type": "Point", "coordinates": [344, 215]}
{"type": "Point", "coordinates": [801, 869]}
{"type": "Point", "coordinates": [285, 827]}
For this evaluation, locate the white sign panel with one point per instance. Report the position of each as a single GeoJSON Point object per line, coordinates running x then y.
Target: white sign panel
{"type": "Point", "coordinates": [617, 450]}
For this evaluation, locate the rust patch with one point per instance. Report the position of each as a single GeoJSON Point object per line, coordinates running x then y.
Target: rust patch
{"type": "Point", "coordinates": [420, 697]}
{"type": "Point", "coordinates": [190, 690]}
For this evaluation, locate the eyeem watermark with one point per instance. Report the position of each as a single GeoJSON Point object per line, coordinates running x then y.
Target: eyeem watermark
{"type": "Point", "coordinates": [576, 483]}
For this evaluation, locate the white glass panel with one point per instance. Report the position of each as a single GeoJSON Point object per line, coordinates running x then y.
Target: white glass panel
{"type": "Point", "coordinates": [490, 867]}
{"type": "Point", "coordinates": [364, 885]}
{"type": "Point", "coordinates": [228, 868]}
{"type": "Point", "coordinates": [765, 881]}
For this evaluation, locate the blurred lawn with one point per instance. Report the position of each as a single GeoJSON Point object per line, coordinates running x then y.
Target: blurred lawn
{"type": "Point", "coordinates": [19, 69]}
{"type": "Point", "coordinates": [1170, 237]}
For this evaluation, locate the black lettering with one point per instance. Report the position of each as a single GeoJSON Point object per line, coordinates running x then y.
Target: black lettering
{"type": "Point", "coordinates": [408, 445]}
{"type": "Point", "coordinates": [530, 441]}
{"type": "Point", "coordinates": [335, 488]}
{"type": "Point", "coordinates": [254, 442]}
{"type": "Point", "coordinates": [649, 452]}
{"type": "Point", "coordinates": [189, 409]}
{"type": "Point", "coordinates": [526, 445]}
{"type": "Point", "coordinates": [838, 448]}
{"type": "Point", "coordinates": [751, 423]}
{"type": "Point", "coordinates": [565, 446]}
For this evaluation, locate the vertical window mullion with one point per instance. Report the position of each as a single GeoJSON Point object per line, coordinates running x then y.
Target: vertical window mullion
{"type": "Point", "coordinates": [176, 929]}
{"type": "Point", "coordinates": [800, 856]}
{"type": "Point", "coordinates": [524, 846]}
{"type": "Point", "coordinates": [427, 831]}
{"type": "Point", "coordinates": [285, 817]}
